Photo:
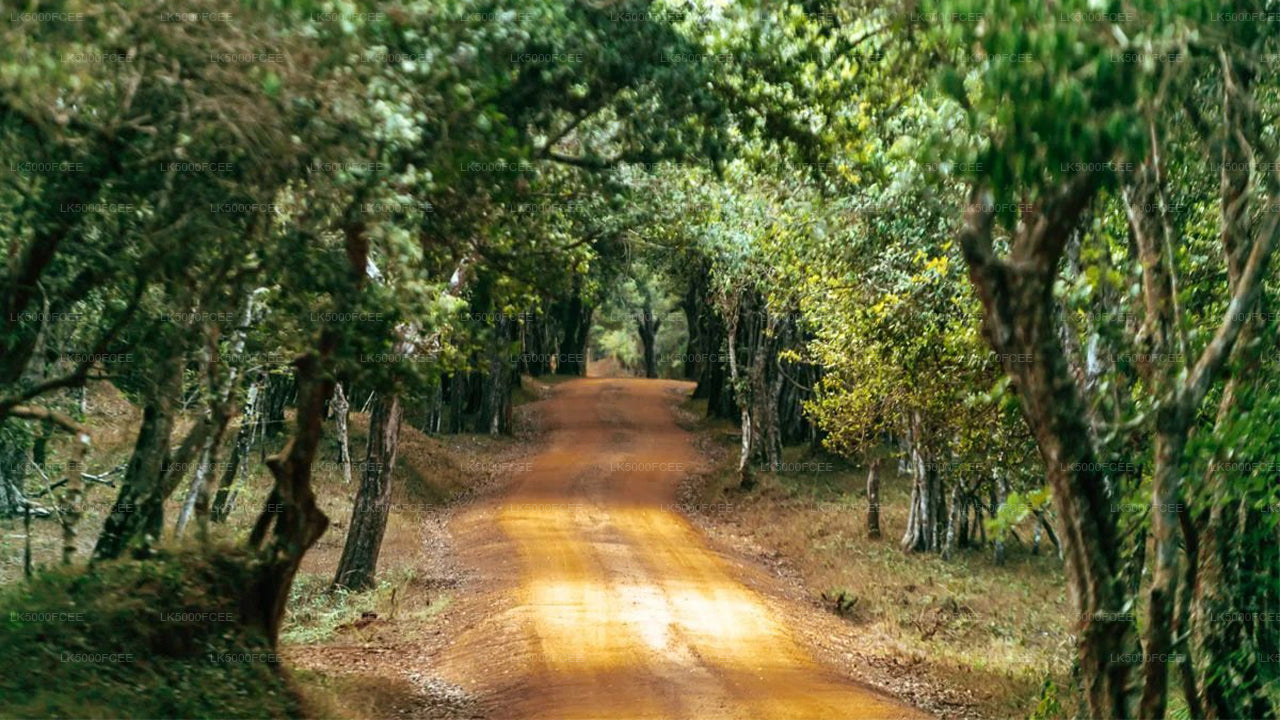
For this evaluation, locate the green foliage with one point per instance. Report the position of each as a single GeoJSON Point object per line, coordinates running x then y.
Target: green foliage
{"type": "Point", "coordinates": [1016, 509]}
{"type": "Point", "coordinates": [317, 610]}
{"type": "Point", "coordinates": [1048, 708]}
{"type": "Point", "coordinates": [63, 629]}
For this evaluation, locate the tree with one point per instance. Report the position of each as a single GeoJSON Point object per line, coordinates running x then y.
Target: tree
{"type": "Point", "coordinates": [1035, 210]}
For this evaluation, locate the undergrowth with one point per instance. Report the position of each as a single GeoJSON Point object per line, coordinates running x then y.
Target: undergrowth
{"type": "Point", "coordinates": [316, 611]}
{"type": "Point", "coordinates": [160, 638]}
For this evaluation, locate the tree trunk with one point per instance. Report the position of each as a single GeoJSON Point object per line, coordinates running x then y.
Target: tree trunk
{"type": "Point", "coordinates": [708, 355]}
{"type": "Point", "coordinates": [953, 522]}
{"type": "Point", "coordinates": [457, 402]}
{"type": "Point", "coordinates": [147, 466]}
{"type": "Point", "coordinates": [1217, 548]}
{"type": "Point", "coordinates": [222, 407]}
{"type": "Point", "coordinates": [495, 407]}
{"type": "Point", "coordinates": [1048, 530]}
{"type": "Point", "coordinates": [1018, 321]}
{"type": "Point", "coordinates": [536, 358]}
{"type": "Point", "coordinates": [228, 484]}
{"type": "Point", "coordinates": [13, 468]}
{"type": "Point", "coordinates": [1000, 494]}
{"type": "Point", "coordinates": [795, 424]}
{"type": "Point", "coordinates": [435, 408]}
{"type": "Point", "coordinates": [718, 389]}
{"type": "Point", "coordinates": [213, 427]}
{"type": "Point", "coordinates": [925, 517]}
{"type": "Point", "coordinates": [199, 486]}
{"type": "Point", "coordinates": [693, 305]}
{"type": "Point", "coordinates": [1160, 616]}
{"type": "Point", "coordinates": [745, 479]}
{"type": "Point", "coordinates": [873, 499]}
{"type": "Point", "coordinates": [72, 493]}
{"type": "Point", "coordinates": [359, 563]}
{"type": "Point", "coordinates": [291, 522]}
{"type": "Point", "coordinates": [279, 388]}
{"type": "Point", "coordinates": [647, 325]}
{"type": "Point", "coordinates": [771, 385]}
{"type": "Point", "coordinates": [763, 432]}
{"type": "Point", "coordinates": [572, 358]}
{"type": "Point", "coordinates": [341, 409]}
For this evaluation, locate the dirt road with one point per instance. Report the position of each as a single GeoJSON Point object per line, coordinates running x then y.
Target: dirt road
{"type": "Point", "coordinates": [604, 602]}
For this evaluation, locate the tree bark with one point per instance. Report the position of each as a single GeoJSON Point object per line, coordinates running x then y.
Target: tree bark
{"type": "Point", "coordinates": [1215, 544]}
{"type": "Point", "coordinates": [147, 466]}
{"type": "Point", "coordinates": [1018, 321]}
{"type": "Point", "coordinates": [873, 499]}
{"type": "Point", "coordinates": [1180, 390]}
{"type": "Point", "coordinates": [13, 468]}
{"type": "Point", "coordinates": [778, 337]}
{"type": "Point", "coordinates": [693, 305]}
{"type": "Point", "coordinates": [278, 390]}
{"type": "Point", "coordinates": [225, 497]}
{"type": "Point", "coordinates": [291, 521]}
{"type": "Point", "coordinates": [72, 494]}
{"type": "Point", "coordinates": [359, 563]}
{"type": "Point", "coordinates": [572, 358]}
{"type": "Point", "coordinates": [647, 325]}
{"type": "Point", "coordinates": [924, 516]}
{"type": "Point", "coordinates": [953, 522]}
{"type": "Point", "coordinates": [341, 410]}
{"type": "Point", "coordinates": [222, 407]}
{"type": "Point", "coordinates": [457, 402]}
{"type": "Point", "coordinates": [1000, 490]}
{"type": "Point", "coordinates": [495, 408]}
{"type": "Point", "coordinates": [745, 479]}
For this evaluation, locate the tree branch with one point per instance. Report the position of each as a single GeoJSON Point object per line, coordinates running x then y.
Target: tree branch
{"type": "Point", "coordinates": [34, 412]}
{"type": "Point", "coordinates": [1238, 311]}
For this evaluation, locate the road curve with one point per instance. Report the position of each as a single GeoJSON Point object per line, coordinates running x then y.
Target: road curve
{"type": "Point", "coordinates": [605, 603]}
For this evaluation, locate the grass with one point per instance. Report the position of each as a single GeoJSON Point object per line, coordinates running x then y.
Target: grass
{"type": "Point", "coordinates": [996, 631]}
{"type": "Point", "coordinates": [133, 638]}
{"type": "Point", "coordinates": [316, 613]}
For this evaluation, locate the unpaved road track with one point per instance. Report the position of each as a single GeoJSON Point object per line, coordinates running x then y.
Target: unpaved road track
{"type": "Point", "coordinates": [602, 601]}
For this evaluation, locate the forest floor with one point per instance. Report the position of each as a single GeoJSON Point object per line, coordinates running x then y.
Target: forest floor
{"type": "Point", "coordinates": [965, 637]}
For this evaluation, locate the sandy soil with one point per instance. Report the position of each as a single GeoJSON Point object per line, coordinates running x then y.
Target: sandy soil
{"type": "Point", "coordinates": [593, 597]}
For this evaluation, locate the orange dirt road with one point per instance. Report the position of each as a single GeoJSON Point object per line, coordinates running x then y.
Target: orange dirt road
{"type": "Point", "coordinates": [604, 602]}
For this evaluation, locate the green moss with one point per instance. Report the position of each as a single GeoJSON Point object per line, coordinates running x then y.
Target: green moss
{"type": "Point", "coordinates": [157, 638]}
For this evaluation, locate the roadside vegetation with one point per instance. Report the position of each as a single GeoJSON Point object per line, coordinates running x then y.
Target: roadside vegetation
{"type": "Point", "coordinates": [984, 638]}
{"type": "Point", "coordinates": [197, 656]}
{"type": "Point", "coordinates": [150, 639]}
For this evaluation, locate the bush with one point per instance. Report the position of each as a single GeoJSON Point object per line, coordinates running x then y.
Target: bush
{"type": "Point", "coordinates": [160, 638]}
